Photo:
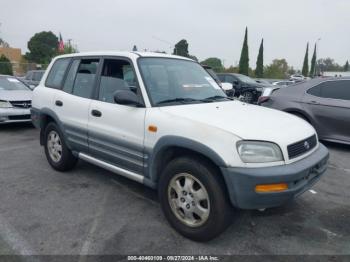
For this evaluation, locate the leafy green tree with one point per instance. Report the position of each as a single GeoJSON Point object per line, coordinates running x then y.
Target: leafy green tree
{"type": "Point", "coordinates": [231, 69]}
{"type": "Point", "coordinates": [181, 48]}
{"type": "Point", "coordinates": [305, 70]}
{"type": "Point", "coordinates": [328, 64]}
{"type": "Point", "coordinates": [214, 63]}
{"type": "Point", "coordinates": [346, 66]}
{"type": "Point", "coordinates": [313, 63]}
{"type": "Point", "coordinates": [278, 69]}
{"type": "Point", "coordinates": [42, 47]}
{"type": "Point", "coordinates": [259, 71]}
{"type": "Point", "coordinates": [69, 48]}
{"type": "Point", "coordinates": [5, 66]}
{"type": "Point", "coordinates": [244, 60]}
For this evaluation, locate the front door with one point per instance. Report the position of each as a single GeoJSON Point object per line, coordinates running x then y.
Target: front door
{"type": "Point", "coordinates": [116, 132]}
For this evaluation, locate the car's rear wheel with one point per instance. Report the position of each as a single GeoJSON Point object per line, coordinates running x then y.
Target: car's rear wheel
{"type": "Point", "coordinates": [57, 153]}
{"type": "Point", "coordinates": [193, 198]}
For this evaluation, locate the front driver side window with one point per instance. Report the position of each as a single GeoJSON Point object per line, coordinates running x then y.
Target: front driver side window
{"type": "Point", "coordinates": [116, 75]}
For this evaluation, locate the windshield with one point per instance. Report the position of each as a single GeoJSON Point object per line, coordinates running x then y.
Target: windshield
{"type": "Point", "coordinates": [11, 83]}
{"type": "Point", "coordinates": [245, 79]}
{"type": "Point", "coordinates": [177, 81]}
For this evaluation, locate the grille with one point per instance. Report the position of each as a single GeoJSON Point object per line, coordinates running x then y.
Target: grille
{"type": "Point", "coordinates": [21, 104]}
{"type": "Point", "coordinates": [301, 147]}
{"type": "Point", "coordinates": [19, 117]}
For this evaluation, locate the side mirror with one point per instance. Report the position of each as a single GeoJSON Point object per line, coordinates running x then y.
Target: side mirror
{"type": "Point", "coordinates": [226, 86]}
{"type": "Point", "coordinates": [126, 97]}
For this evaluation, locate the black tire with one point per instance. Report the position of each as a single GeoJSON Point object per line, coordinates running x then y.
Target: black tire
{"type": "Point", "coordinates": [220, 208]}
{"type": "Point", "coordinates": [248, 97]}
{"type": "Point", "coordinates": [67, 160]}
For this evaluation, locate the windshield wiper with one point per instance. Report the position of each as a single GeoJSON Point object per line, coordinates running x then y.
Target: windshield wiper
{"type": "Point", "coordinates": [178, 99]}
{"type": "Point", "coordinates": [214, 98]}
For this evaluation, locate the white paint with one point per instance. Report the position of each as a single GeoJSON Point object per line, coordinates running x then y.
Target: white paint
{"type": "Point", "coordinates": [312, 191]}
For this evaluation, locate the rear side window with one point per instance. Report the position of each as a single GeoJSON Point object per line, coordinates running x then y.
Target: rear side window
{"type": "Point", "coordinates": [85, 78]}
{"type": "Point", "coordinates": [315, 91]}
{"type": "Point", "coordinates": [57, 73]}
{"type": "Point", "coordinates": [332, 89]}
{"type": "Point", "coordinates": [68, 85]}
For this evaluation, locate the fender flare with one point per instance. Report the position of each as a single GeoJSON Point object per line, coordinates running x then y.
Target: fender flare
{"type": "Point", "coordinates": [167, 142]}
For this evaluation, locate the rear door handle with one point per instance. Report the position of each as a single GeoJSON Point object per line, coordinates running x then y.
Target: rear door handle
{"type": "Point", "coordinates": [58, 103]}
{"type": "Point", "coordinates": [96, 113]}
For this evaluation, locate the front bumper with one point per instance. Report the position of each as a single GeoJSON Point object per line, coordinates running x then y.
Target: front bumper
{"type": "Point", "coordinates": [13, 115]}
{"type": "Point", "coordinates": [299, 176]}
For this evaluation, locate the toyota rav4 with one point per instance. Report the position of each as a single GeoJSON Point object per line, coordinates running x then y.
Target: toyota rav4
{"type": "Point", "coordinates": [163, 121]}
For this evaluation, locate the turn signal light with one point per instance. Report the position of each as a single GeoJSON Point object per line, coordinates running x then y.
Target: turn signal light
{"type": "Point", "coordinates": [152, 128]}
{"type": "Point", "coordinates": [271, 188]}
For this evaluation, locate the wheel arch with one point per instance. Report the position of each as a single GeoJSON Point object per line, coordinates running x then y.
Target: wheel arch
{"type": "Point", "coordinates": [171, 147]}
{"type": "Point", "coordinates": [47, 116]}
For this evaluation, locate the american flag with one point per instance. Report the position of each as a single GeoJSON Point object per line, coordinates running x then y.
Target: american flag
{"type": "Point", "coordinates": [60, 44]}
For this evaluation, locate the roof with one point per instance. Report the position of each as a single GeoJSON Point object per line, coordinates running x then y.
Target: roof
{"type": "Point", "coordinates": [125, 53]}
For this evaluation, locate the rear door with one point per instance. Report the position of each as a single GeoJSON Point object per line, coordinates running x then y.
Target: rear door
{"type": "Point", "coordinates": [329, 105]}
{"type": "Point", "coordinates": [71, 103]}
{"type": "Point", "coordinates": [116, 132]}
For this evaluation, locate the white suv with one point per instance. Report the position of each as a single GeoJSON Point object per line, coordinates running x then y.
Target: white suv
{"type": "Point", "coordinates": [163, 121]}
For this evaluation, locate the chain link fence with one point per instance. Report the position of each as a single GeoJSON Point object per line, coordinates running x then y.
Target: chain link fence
{"type": "Point", "coordinates": [20, 69]}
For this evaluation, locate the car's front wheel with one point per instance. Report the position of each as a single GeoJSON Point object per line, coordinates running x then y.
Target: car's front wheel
{"type": "Point", "coordinates": [193, 198]}
{"type": "Point", "coordinates": [57, 153]}
{"type": "Point", "coordinates": [247, 97]}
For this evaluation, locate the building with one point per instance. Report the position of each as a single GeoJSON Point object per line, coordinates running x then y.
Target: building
{"type": "Point", "coordinates": [15, 57]}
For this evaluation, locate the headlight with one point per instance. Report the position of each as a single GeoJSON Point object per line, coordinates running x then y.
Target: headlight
{"type": "Point", "coordinates": [5, 104]}
{"type": "Point", "coordinates": [259, 152]}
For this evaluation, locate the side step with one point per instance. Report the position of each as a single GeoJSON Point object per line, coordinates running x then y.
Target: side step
{"type": "Point", "coordinates": [117, 170]}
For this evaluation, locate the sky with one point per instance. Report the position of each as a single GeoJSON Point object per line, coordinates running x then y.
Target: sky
{"type": "Point", "coordinates": [212, 28]}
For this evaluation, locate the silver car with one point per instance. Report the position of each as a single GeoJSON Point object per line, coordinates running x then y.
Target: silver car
{"type": "Point", "coordinates": [325, 103]}
{"type": "Point", "coordinates": [15, 100]}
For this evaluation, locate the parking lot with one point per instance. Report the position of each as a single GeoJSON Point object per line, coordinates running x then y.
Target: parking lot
{"type": "Point", "coordinates": [92, 211]}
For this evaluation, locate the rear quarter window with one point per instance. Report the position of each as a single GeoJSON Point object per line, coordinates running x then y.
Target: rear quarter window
{"type": "Point", "coordinates": [57, 73]}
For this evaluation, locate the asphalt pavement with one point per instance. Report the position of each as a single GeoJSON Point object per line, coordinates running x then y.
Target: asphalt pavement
{"type": "Point", "coordinates": [92, 211]}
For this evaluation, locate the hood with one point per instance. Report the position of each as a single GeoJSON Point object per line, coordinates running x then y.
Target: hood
{"type": "Point", "coordinates": [16, 95]}
{"type": "Point", "coordinates": [246, 121]}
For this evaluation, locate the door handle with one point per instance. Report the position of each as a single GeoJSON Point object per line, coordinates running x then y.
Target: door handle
{"type": "Point", "coordinates": [314, 102]}
{"type": "Point", "coordinates": [96, 113]}
{"type": "Point", "coordinates": [58, 103]}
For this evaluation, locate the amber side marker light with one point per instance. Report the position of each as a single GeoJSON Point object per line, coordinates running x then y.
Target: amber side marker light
{"type": "Point", "coordinates": [271, 188]}
{"type": "Point", "coordinates": [152, 128]}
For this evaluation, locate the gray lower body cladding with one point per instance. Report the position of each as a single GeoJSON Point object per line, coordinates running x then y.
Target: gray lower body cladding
{"type": "Point", "coordinates": [299, 176]}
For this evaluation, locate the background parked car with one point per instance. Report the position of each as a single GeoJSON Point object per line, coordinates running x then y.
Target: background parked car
{"type": "Point", "coordinates": [227, 87]}
{"type": "Point", "coordinates": [244, 86]}
{"type": "Point", "coordinates": [33, 77]}
{"type": "Point", "coordinates": [325, 103]}
{"type": "Point", "coordinates": [297, 78]}
{"type": "Point", "coordinates": [15, 100]}
{"type": "Point", "coordinates": [283, 83]}
{"type": "Point", "coordinates": [264, 82]}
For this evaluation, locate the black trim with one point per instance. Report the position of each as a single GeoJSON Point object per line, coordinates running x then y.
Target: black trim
{"type": "Point", "coordinates": [98, 83]}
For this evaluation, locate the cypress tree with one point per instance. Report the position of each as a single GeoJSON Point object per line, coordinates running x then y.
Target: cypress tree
{"type": "Point", "coordinates": [259, 71]}
{"type": "Point", "coordinates": [313, 63]}
{"type": "Point", "coordinates": [305, 70]}
{"type": "Point", "coordinates": [346, 66]}
{"type": "Point", "coordinates": [244, 60]}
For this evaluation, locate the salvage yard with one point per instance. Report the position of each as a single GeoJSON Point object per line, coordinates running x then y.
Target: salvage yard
{"type": "Point", "coordinates": [92, 211]}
